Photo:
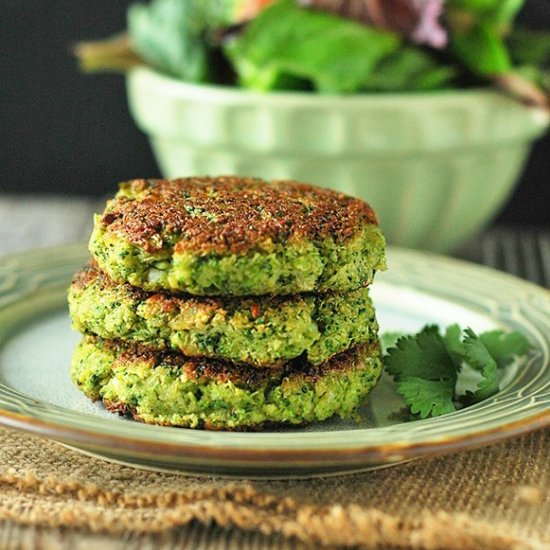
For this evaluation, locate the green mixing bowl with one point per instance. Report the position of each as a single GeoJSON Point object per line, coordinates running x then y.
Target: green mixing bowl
{"type": "Point", "coordinates": [436, 166]}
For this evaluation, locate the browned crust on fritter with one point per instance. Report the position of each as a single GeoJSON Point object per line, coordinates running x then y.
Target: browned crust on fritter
{"type": "Point", "coordinates": [89, 273]}
{"type": "Point", "coordinates": [231, 214]}
{"type": "Point", "coordinates": [222, 371]}
{"type": "Point", "coordinates": [118, 407]}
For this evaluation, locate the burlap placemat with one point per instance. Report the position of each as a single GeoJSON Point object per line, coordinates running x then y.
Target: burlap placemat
{"type": "Point", "coordinates": [496, 497]}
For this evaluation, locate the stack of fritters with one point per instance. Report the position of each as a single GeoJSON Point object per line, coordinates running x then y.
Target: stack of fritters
{"type": "Point", "coordinates": [229, 303]}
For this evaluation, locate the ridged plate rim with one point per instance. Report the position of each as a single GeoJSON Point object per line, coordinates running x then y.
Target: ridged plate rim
{"type": "Point", "coordinates": [523, 405]}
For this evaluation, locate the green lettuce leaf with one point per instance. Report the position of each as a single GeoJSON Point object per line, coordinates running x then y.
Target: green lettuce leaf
{"type": "Point", "coordinates": [482, 50]}
{"type": "Point", "coordinates": [335, 54]}
{"type": "Point", "coordinates": [409, 69]}
{"type": "Point", "coordinates": [530, 47]}
{"type": "Point", "coordinates": [172, 35]}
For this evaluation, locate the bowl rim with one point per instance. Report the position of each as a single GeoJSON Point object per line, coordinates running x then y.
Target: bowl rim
{"type": "Point", "coordinates": [229, 94]}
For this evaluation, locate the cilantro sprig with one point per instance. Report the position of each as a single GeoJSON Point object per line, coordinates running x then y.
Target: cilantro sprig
{"type": "Point", "coordinates": [430, 366]}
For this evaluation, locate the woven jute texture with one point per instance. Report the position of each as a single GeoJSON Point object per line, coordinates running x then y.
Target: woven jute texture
{"type": "Point", "coordinates": [497, 497]}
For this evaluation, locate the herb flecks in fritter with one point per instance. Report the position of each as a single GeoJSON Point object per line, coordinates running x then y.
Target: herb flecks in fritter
{"type": "Point", "coordinates": [229, 303]}
{"type": "Point", "coordinates": [237, 236]}
{"type": "Point", "coordinates": [262, 331]}
{"type": "Point", "coordinates": [173, 390]}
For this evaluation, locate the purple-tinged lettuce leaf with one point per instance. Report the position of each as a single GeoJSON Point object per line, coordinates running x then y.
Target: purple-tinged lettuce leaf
{"type": "Point", "coordinates": [418, 20]}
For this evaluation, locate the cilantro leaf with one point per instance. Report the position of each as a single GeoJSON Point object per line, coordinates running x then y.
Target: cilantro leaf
{"type": "Point", "coordinates": [423, 355]}
{"type": "Point", "coordinates": [389, 339]}
{"type": "Point", "coordinates": [430, 369]}
{"type": "Point", "coordinates": [477, 356]}
{"type": "Point", "coordinates": [428, 397]}
{"type": "Point", "coordinates": [424, 371]}
{"type": "Point", "coordinates": [455, 347]}
{"type": "Point", "coordinates": [504, 346]}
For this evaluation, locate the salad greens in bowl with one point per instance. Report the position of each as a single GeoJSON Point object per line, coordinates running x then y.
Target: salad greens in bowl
{"type": "Point", "coordinates": [426, 109]}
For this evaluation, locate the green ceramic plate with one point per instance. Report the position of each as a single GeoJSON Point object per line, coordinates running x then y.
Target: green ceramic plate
{"type": "Point", "coordinates": [36, 394]}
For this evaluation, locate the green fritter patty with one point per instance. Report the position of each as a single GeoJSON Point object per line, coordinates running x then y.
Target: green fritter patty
{"type": "Point", "coordinates": [237, 236]}
{"type": "Point", "coordinates": [174, 390]}
{"type": "Point", "coordinates": [262, 331]}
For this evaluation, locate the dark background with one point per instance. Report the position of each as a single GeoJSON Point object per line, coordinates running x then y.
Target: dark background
{"type": "Point", "coordinates": [65, 132]}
